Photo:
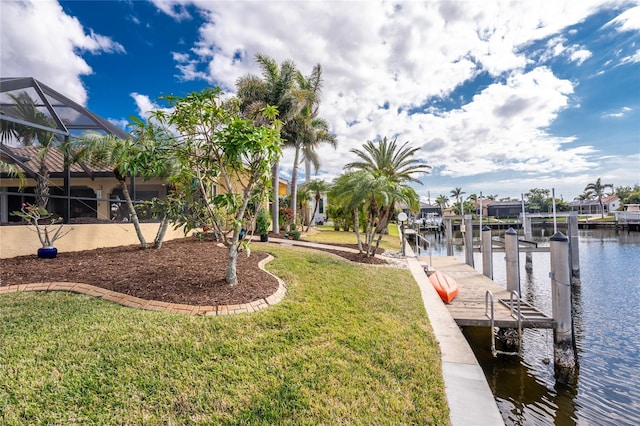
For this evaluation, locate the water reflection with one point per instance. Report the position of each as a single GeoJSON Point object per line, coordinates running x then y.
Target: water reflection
{"type": "Point", "coordinates": [606, 386]}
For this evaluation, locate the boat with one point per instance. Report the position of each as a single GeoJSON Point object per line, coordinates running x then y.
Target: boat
{"type": "Point", "coordinates": [446, 286]}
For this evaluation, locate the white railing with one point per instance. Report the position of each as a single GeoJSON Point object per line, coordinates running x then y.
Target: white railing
{"type": "Point", "coordinates": [628, 216]}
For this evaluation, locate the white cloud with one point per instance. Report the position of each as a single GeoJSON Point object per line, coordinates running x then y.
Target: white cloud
{"type": "Point", "coordinates": [619, 114]}
{"type": "Point", "coordinates": [579, 56]}
{"type": "Point", "coordinates": [629, 20]}
{"type": "Point", "coordinates": [145, 105]}
{"type": "Point", "coordinates": [51, 50]}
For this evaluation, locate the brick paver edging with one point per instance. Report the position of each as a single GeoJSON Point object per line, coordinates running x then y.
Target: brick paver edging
{"type": "Point", "coordinates": [154, 305]}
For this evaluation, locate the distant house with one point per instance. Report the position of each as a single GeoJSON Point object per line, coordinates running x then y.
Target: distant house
{"type": "Point", "coordinates": [505, 209]}
{"type": "Point", "coordinates": [484, 205]}
{"type": "Point", "coordinates": [426, 210]}
{"type": "Point", "coordinates": [429, 210]}
{"type": "Point", "coordinates": [610, 203]}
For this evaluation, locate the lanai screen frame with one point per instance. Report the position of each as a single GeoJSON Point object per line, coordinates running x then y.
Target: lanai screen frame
{"type": "Point", "coordinates": [69, 117]}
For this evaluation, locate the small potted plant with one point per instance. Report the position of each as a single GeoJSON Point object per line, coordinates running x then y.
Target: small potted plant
{"type": "Point", "coordinates": [263, 221]}
{"type": "Point", "coordinates": [48, 228]}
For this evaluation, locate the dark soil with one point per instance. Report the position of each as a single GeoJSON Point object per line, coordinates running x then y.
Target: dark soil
{"type": "Point", "coordinates": [187, 271]}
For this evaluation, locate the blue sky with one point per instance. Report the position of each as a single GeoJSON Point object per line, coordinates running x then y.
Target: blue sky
{"type": "Point", "coordinates": [501, 97]}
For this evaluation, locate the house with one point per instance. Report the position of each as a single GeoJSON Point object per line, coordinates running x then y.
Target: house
{"type": "Point", "coordinates": [90, 188]}
{"type": "Point", "coordinates": [505, 209]}
{"type": "Point", "coordinates": [28, 103]}
{"type": "Point", "coordinates": [610, 203]}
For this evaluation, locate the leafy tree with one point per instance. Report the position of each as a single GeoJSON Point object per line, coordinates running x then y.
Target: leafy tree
{"type": "Point", "coordinates": [224, 165]}
{"type": "Point", "coordinates": [539, 200]}
{"type": "Point", "coordinates": [598, 189]}
{"type": "Point", "coordinates": [463, 206]}
{"type": "Point", "coordinates": [628, 194]}
{"type": "Point", "coordinates": [13, 171]}
{"type": "Point", "coordinates": [277, 88]}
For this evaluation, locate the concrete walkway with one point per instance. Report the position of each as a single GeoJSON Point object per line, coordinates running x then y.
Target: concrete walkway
{"type": "Point", "coordinates": [470, 399]}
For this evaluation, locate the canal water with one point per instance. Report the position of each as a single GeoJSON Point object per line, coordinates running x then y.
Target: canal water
{"type": "Point", "coordinates": [605, 389]}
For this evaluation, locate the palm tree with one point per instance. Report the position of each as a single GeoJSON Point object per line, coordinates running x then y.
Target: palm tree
{"type": "Point", "coordinates": [597, 188]}
{"type": "Point", "coordinates": [457, 194]}
{"type": "Point", "coordinates": [25, 109]}
{"type": "Point", "coordinates": [317, 187]}
{"type": "Point", "coordinates": [276, 87]}
{"type": "Point", "coordinates": [144, 155]}
{"type": "Point", "coordinates": [387, 159]}
{"type": "Point", "coordinates": [442, 201]}
{"type": "Point", "coordinates": [586, 195]}
{"type": "Point", "coordinates": [307, 131]}
{"type": "Point", "coordinates": [364, 192]}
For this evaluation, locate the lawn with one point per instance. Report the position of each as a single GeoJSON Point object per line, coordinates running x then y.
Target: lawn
{"type": "Point", "coordinates": [350, 344]}
{"type": "Point", "coordinates": [327, 235]}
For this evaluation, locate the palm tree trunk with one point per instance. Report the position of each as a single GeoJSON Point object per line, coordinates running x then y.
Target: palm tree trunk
{"type": "Point", "coordinates": [132, 212]}
{"type": "Point", "coordinates": [294, 183]}
{"type": "Point", "coordinates": [42, 185]}
{"type": "Point", "coordinates": [356, 228]}
{"type": "Point", "coordinates": [315, 210]}
{"type": "Point", "coordinates": [275, 206]}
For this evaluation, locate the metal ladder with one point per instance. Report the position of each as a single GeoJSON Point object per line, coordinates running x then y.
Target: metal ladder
{"type": "Point", "coordinates": [488, 297]}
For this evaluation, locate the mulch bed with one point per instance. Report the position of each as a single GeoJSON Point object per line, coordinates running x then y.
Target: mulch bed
{"type": "Point", "coordinates": [187, 271]}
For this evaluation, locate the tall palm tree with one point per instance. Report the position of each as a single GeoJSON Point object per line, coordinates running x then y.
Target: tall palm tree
{"type": "Point", "coordinates": [277, 87]}
{"type": "Point", "coordinates": [597, 188]}
{"type": "Point", "coordinates": [457, 194]}
{"type": "Point", "coordinates": [386, 158]}
{"type": "Point", "coordinates": [307, 131]}
{"type": "Point", "coordinates": [317, 187]}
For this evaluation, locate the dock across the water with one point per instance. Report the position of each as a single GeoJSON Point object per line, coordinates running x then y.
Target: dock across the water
{"type": "Point", "coordinates": [469, 308]}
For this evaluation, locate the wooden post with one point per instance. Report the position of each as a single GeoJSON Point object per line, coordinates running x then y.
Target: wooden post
{"type": "Point", "coordinates": [487, 253]}
{"type": "Point", "coordinates": [528, 235]}
{"type": "Point", "coordinates": [449, 230]}
{"type": "Point", "coordinates": [513, 262]}
{"type": "Point", "coordinates": [574, 241]}
{"type": "Point", "coordinates": [468, 240]}
{"type": "Point", "coordinates": [564, 356]}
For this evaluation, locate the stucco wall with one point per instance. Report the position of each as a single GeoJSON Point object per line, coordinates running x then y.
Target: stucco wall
{"type": "Point", "coordinates": [22, 240]}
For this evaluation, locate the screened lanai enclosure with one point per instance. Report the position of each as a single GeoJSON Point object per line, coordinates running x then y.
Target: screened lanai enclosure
{"type": "Point", "coordinates": [39, 126]}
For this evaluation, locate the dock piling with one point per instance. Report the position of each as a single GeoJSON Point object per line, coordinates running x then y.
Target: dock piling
{"type": "Point", "coordinates": [564, 356]}
{"type": "Point", "coordinates": [574, 241]}
{"type": "Point", "coordinates": [487, 253]}
{"type": "Point", "coordinates": [468, 240]}
{"type": "Point", "coordinates": [513, 261]}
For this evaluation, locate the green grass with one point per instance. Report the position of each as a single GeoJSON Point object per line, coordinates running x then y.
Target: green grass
{"type": "Point", "coordinates": [327, 235]}
{"type": "Point", "coordinates": [350, 344]}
